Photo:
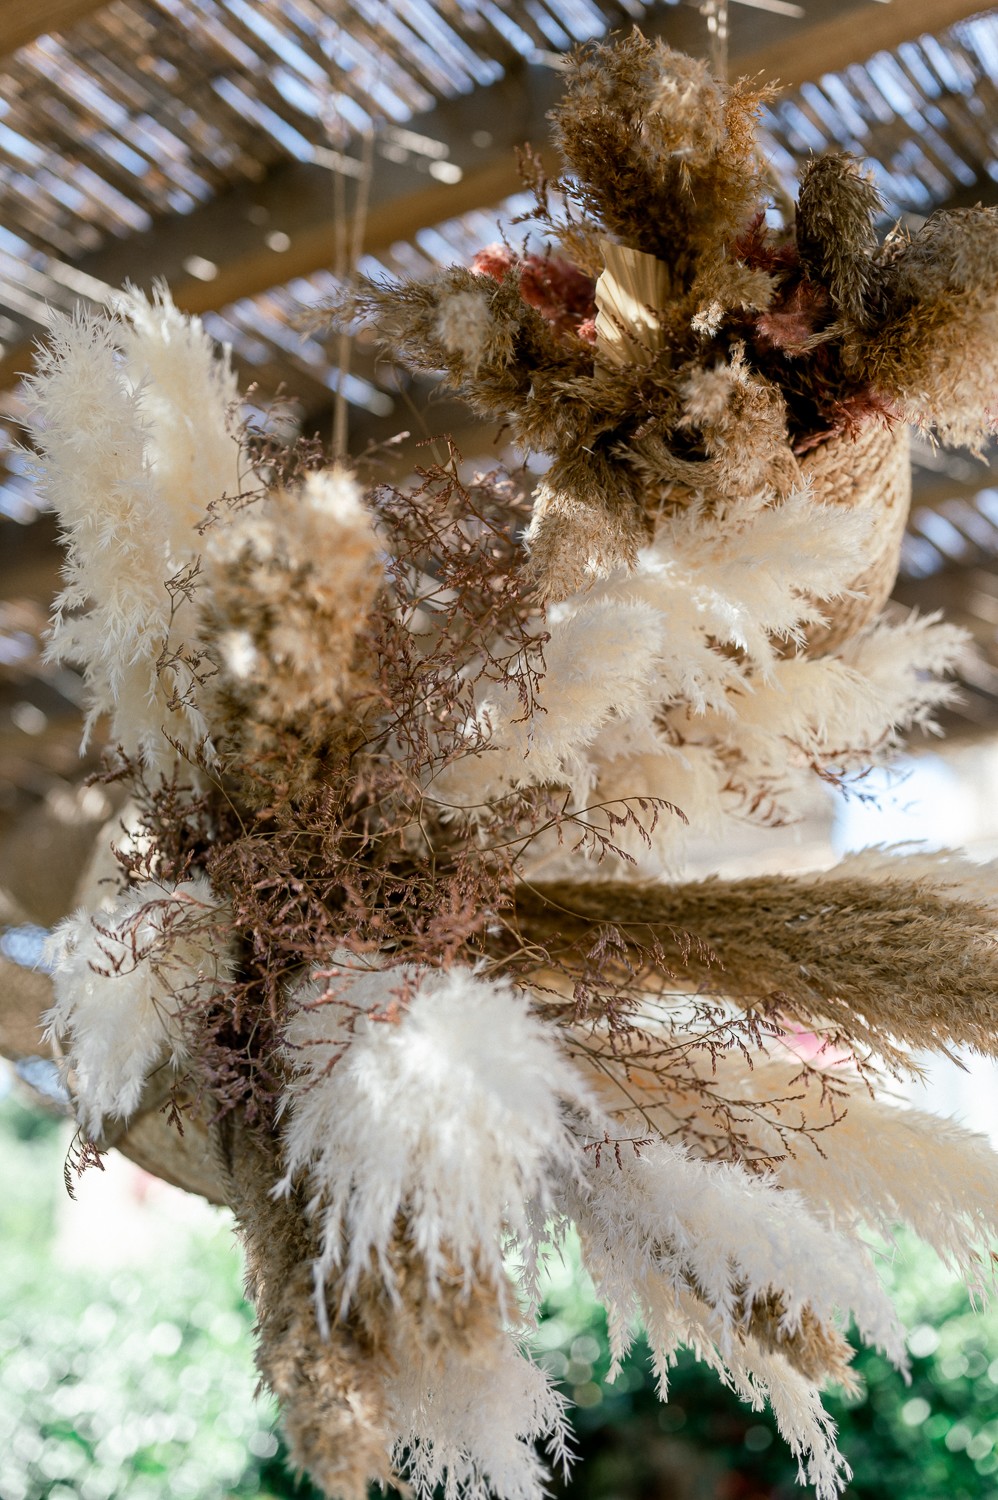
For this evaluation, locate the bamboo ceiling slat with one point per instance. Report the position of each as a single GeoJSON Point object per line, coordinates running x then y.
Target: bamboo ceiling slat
{"type": "Point", "coordinates": [833, 45]}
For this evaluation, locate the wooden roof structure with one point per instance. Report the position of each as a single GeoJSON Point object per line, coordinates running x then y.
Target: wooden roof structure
{"type": "Point", "coordinates": [214, 143]}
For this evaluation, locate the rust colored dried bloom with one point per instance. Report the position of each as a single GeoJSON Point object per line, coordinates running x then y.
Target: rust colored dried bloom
{"type": "Point", "coordinates": [794, 318]}
{"type": "Point", "coordinates": [762, 248]}
{"type": "Point", "coordinates": [495, 261]}
{"type": "Point", "coordinates": [837, 209]}
{"type": "Point", "coordinates": [887, 960]}
{"type": "Point", "coordinates": [557, 289]}
{"type": "Point", "coordinates": [933, 348]}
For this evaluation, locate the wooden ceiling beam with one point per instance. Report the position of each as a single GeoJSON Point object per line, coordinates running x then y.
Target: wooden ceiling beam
{"type": "Point", "coordinates": [460, 156]}
{"type": "Point", "coordinates": [23, 21]}
{"type": "Point", "coordinates": [850, 37]}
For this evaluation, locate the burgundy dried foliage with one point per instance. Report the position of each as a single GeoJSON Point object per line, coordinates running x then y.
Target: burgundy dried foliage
{"type": "Point", "coordinates": [560, 292]}
{"type": "Point", "coordinates": [798, 345]}
{"type": "Point", "coordinates": [762, 249]}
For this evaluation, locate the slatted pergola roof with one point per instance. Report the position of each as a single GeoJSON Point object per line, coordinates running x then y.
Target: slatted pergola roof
{"type": "Point", "coordinates": [212, 143]}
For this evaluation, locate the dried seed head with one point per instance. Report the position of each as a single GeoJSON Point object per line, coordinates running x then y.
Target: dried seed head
{"type": "Point", "coordinates": [836, 213]}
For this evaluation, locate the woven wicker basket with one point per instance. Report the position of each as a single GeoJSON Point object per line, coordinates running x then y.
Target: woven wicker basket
{"type": "Point", "coordinates": [869, 472]}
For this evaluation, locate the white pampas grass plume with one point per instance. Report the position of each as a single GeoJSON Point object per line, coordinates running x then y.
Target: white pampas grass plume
{"type": "Point", "coordinates": [884, 1164]}
{"type": "Point", "coordinates": [848, 709]}
{"type": "Point", "coordinates": [187, 395]}
{"type": "Point", "coordinates": [121, 980]}
{"type": "Point", "coordinates": [112, 618]}
{"type": "Point", "coordinates": [130, 420]}
{"type": "Point", "coordinates": [908, 664]}
{"type": "Point", "coordinates": [741, 585]}
{"type": "Point", "coordinates": [471, 1424]}
{"type": "Point", "coordinates": [600, 661]}
{"type": "Point", "coordinates": [658, 681]}
{"type": "Point", "coordinates": [862, 1159]}
{"type": "Point", "coordinates": [434, 1094]}
{"type": "Point", "coordinates": [695, 1248]}
{"type": "Point", "coordinates": [665, 1221]}
{"type": "Point", "coordinates": [802, 1423]}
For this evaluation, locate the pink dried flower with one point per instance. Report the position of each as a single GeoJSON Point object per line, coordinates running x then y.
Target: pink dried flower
{"type": "Point", "coordinates": [559, 291]}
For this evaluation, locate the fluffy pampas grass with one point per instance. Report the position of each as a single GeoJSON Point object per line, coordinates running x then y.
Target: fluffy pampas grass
{"type": "Point", "coordinates": [131, 419]}
{"type": "Point", "coordinates": [473, 1426]}
{"type": "Point", "coordinates": [122, 981]}
{"type": "Point", "coordinates": [404, 706]}
{"type": "Point", "coordinates": [484, 1084]}
{"type": "Point", "coordinates": [741, 1271]}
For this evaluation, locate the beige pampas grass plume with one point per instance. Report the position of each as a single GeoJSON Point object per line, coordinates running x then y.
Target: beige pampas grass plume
{"type": "Point", "coordinates": [741, 418]}
{"type": "Point", "coordinates": [329, 1380]}
{"type": "Point", "coordinates": [290, 583]}
{"type": "Point", "coordinates": [665, 154]}
{"type": "Point", "coordinates": [587, 522]}
{"type": "Point", "coordinates": [837, 208]}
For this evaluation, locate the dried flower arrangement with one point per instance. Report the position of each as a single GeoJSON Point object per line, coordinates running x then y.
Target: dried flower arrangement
{"type": "Point", "coordinates": [395, 920]}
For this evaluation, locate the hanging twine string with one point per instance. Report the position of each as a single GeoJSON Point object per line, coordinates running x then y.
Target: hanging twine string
{"type": "Point", "coordinates": [349, 246]}
{"type": "Point", "coordinates": [716, 14]}
{"type": "Point", "coordinates": [349, 224]}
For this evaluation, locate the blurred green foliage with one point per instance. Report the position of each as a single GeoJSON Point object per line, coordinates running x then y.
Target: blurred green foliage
{"type": "Point", "coordinates": [128, 1383]}
{"type": "Point", "coordinates": [933, 1439]}
{"type": "Point", "coordinates": [136, 1382]}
